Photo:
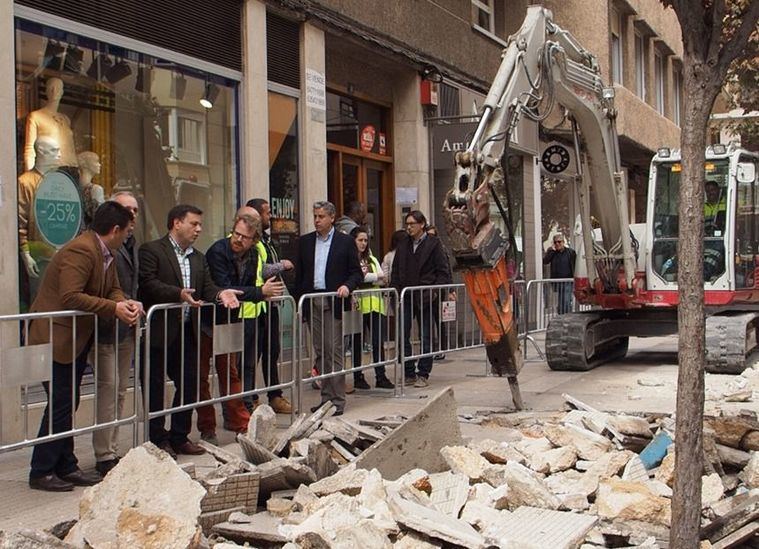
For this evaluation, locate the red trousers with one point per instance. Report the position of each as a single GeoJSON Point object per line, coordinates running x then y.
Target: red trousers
{"type": "Point", "coordinates": [235, 412]}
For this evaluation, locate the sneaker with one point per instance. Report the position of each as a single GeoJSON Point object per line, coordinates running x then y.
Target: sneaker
{"type": "Point", "coordinates": [210, 438]}
{"type": "Point", "coordinates": [421, 382]}
{"type": "Point", "coordinates": [410, 380]}
{"type": "Point", "coordinates": [281, 405]}
{"type": "Point", "coordinates": [384, 383]}
{"type": "Point", "coordinates": [359, 382]}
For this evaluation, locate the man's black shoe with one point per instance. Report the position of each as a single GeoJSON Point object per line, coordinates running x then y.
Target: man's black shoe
{"type": "Point", "coordinates": [338, 413]}
{"type": "Point", "coordinates": [104, 467]}
{"type": "Point", "coordinates": [314, 408]}
{"type": "Point", "coordinates": [80, 478]}
{"type": "Point", "coordinates": [384, 383]}
{"type": "Point", "coordinates": [166, 447]}
{"type": "Point", "coordinates": [359, 382]}
{"type": "Point", "coordinates": [50, 483]}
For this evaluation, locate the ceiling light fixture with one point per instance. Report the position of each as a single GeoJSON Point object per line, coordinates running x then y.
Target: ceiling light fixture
{"type": "Point", "coordinates": [210, 95]}
{"type": "Point", "coordinates": [100, 65]}
{"type": "Point", "coordinates": [118, 72]}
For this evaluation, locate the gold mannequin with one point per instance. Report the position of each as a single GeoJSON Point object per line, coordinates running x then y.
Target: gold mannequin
{"type": "Point", "coordinates": [48, 122]}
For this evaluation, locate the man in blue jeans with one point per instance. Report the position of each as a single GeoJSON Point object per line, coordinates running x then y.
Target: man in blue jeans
{"type": "Point", "coordinates": [562, 260]}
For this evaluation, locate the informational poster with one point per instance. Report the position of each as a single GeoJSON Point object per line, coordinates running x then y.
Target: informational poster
{"type": "Point", "coordinates": [382, 143]}
{"type": "Point", "coordinates": [448, 311]}
{"type": "Point", "coordinates": [58, 208]}
{"type": "Point", "coordinates": [368, 134]}
{"type": "Point", "coordinates": [316, 93]}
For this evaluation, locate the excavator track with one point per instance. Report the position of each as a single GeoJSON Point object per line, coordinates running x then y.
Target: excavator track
{"type": "Point", "coordinates": [576, 342]}
{"type": "Point", "coordinates": [730, 339]}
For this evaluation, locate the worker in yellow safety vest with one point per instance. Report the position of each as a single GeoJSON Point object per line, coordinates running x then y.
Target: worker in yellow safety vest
{"type": "Point", "coordinates": [715, 209]}
{"type": "Point", "coordinates": [374, 314]}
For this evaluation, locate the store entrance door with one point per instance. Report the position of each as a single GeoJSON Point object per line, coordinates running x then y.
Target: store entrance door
{"type": "Point", "coordinates": [369, 181]}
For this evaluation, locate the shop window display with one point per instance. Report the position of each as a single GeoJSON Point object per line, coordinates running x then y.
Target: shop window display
{"type": "Point", "coordinates": [94, 119]}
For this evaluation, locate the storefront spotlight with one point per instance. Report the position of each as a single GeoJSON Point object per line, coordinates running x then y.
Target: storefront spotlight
{"type": "Point", "coordinates": [178, 86]}
{"type": "Point", "coordinates": [431, 73]}
{"type": "Point", "coordinates": [210, 95]}
{"type": "Point", "coordinates": [73, 61]}
{"type": "Point", "coordinates": [53, 55]}
{"type": "Point", "coordinates": [118, 72]}
{"type": "Point", "coordinates": [100, 65]}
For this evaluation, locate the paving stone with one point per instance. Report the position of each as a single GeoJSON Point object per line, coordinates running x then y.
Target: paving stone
{"type": "Point", "coordinates": [283, 474]}
{"type": "Point", "coordinates": [635, 471]}
{"type": "Point", "coordinates": [712, 489]}
{"type": "Point", "coordinates": [434, 523]}
{"type": "Point", "coordinates": [348, 480]}
{"type": "Point", "coordinates": [146, 500]}
{"type": "Point", "coordinates": [533, 528]}
{"type": "Point", "coordinates": [263, 527]}
{"type": "Point", "coordinates": [750, 474]}
{"type": "Point", "coordinates": [341, 429]}
{"type": "Point", "coordinates": [449, 492]}
{"type": "Point", "coordinates": [262, 426]}
{"type": "Point", "coordinates": [464, 461]}
{"type": "Point", "coordinates": [631, 500]}
{"type": "Point", "coordinates": [210, 519]}
{"type": "Point", "coordinates": [417, 442]}
{"type": "Point", "coordinates": [588, 444]}
{"type": "Point", "coordinates": [527, 488]}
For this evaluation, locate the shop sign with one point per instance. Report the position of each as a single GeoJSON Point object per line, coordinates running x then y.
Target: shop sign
{"type": "Point", "coordinates": [448, 311]}
{"type": "Point", "coordinates": [382, 144]}
{"type": "Point", "coordinates": [316, 94]}
{"type": "Point", "coordinates": [447, 140]}
{"type": "Point", "coordinates": [57, 208]}
{"type": "Point", "coordinates": [367, 138]}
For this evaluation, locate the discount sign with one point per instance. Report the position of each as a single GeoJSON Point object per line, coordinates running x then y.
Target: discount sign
{"type": "Point", "coordinates": [57, 208]}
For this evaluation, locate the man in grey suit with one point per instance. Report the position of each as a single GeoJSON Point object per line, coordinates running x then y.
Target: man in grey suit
{"type": "Point", "coordinates": [172, 271]}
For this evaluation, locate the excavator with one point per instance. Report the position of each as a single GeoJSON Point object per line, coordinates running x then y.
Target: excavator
{"type": "Point", "coordinates": [626, 273]}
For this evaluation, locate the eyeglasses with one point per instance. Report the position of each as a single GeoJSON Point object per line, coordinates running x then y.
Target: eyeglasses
{"type": "Point", "coordinates": [240, 236]}
{"type": "Point", "coordinates": [410, 223]}
{"type": "Point", "coordinates": [558, 241]}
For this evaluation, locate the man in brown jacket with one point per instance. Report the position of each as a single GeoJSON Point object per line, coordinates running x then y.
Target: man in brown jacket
{"type": "Point", "coordinates": [81, 276]}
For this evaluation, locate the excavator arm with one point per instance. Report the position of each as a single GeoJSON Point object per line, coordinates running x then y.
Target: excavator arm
{"type": "Point", "coordinates": [543, 66]}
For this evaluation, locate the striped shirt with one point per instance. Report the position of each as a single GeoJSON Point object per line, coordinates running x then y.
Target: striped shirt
{"type": "Point", "coordinates": [183, 258]}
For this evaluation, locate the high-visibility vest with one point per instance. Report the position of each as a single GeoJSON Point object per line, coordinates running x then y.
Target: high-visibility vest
{"type": "Point", "coordinates": [711, 210]}
{"type": "Point", "coordinates": [372, 302]}
{"type": "Point", "coordinates": [249, 309]}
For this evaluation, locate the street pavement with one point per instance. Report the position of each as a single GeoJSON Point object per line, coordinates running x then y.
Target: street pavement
{"type": "Point", "coordinates": [645, 381]}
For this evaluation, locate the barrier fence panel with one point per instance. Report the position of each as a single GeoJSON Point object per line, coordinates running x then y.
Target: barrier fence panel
{"type": "Point", "coordinates": [545, 299]}
{"type": "Point", "coordinates": [39, 360]}
{"type": "Point", "coordinates": [444, 321]}
{"type": "Point", "coordinates": [347, 336]}
{"type": "Point", "coordinates": [184, 344]}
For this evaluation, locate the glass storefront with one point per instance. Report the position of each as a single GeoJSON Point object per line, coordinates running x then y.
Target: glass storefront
{"type": "Point", "coordinates": [94, 119]}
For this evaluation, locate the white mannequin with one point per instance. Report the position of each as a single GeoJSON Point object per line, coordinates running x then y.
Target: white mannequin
{"type": "Point", "coordinates": [48, 122]}
{"type": "Point", "coordinates": [47, 158]}
{"type": "Point", "coordinates": [89, 167]}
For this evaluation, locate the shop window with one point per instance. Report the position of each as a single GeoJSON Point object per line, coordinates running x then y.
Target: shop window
{"type": "Point", "coordinates": [123, 121]}
{"type": "Point", "coordinates": [357, 124]}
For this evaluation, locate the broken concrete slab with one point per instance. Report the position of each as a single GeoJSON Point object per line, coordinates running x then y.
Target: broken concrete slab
{"type": "Point", "coordinates": [32, 539]}
{"type": "Point", "coordinates": [279, 507]}
{"type": "Point", "coordinates": [262, 426]}
{"type": "Point", "coordinates": [348, 480]}
{"type": "Point", "coordinates": [236, 490]}
{"type": "Point", "coordinates": [412, 540]}
{"type": "Point", "coordinates": [449, 492]}
{"type": "Point", "coordinates": [497, 452]}
{"type": "Point", "coordinates": [146, 500]}
{"type": "Point", "coordinates": [341, 430]}
{"type": "Point", "coordinates": [498, 498]}
{"type": "Point", "coordinates": [208, 520]}
{"type": "Point", "coordinates": [317, 457]}
{"type": "Point", "coordinates": [464, 461]}
{"type": "Point", "coordinates": [304, 498]}
{"type": "Point", "coordinates": [712, 489]}
{"type": "Point", "coordinates": [527, 488]}
{"type": "Point", "coordinates": [631, 425]}
{"type": "Point", "coordinates": [631, 500]}
{"type": "Point", "coordinates": [529, 527]}
{"type": "Point", "coordinates": [573, 502]}
{"type": "Point", "coordinates": [373, 499]}
{"type": "Point", "coordinates": [553, 461]}
{"type": "Point", "coordinates": [417, 442]}
{"type": "Point", "coordinates": [529, 447]}
{"type": "Point", "coordinates": [481, 516]}
{"type": "Point", "coordinates": [434, 523]}
{"type": "Point", "coordinates": [750, 474]}
{"type": "Point", "coordinates": [737, 432]}
{"type": "Point", "coordinates": [588, 444]}
{"type": "Point", "coordinates": [635, 471]}
{"type": "Point", "coordinates": [666, 471]}
{"type": "Point", "coordinates": [262, 527]}
{"type": "Point", "coordinates": [254, 452]}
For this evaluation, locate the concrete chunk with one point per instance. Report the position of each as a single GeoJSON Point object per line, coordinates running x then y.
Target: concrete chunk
{"type": "Point", "coordinates": [412, 540]}
{"type": "Point", "coordinates": [631, 425]}
{"type": "Point", "coordinates": [255, 452]}
{"type": "Point", "coordinates": [261, 528]}
{"type": "Point", "coordinates": [31, 539]}
{"type": "Point", "coordinates": [146, 500]}
{"type": "Point", "coordinates": [462, 460]}
{"type": "Point", "coordinates": [750, 473]}
{"type": "Point", "coordinates": [262, 426]}
{"type": "Point", "coordinates": [635, 471]}
{"type": "Point", "coordinates": [417, 442]}
{"type": "Point", "coordinates": [348, 480]}
{"type": "Point", "coordinates": [526, 488]}
{"type": "Point", "coordinates": [481, 516]}
{"type": "Point", "coordinates": [712, 489]}
{"type": "Point", "coordinates": [588, 444]}
{"type": "Point", "coordinates": [435, 523]}
{"type": "Point", "coordinates": [631, 501]}
{"type": "Point", "coordinates": [449, 492]}
{"type": "Point", "coordinates": [553, 461]}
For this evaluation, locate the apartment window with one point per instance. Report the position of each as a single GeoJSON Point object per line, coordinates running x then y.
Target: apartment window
{"type": "Point", "coordinates": [677, 96]}
{"type": "Point", "coordinates": [484, 15]}
{"type": "Point", "coordinates": [640, 66]}
{"type": "Point", "coordinates": [186, 136]}
{"type": "Point", "coordinates": [659, 82]}
{"type": "Point", "coordinates": [616, 46]}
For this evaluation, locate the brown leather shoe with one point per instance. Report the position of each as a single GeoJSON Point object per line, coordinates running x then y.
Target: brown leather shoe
{"type": "Point", "coordinates": [281, 405]}
{"type": "Point", "coordinates": [189, 449]}
{"type": "Point", "coordinates": [50, 483]}
{"type": "Point", "coordinates": [80, 478]}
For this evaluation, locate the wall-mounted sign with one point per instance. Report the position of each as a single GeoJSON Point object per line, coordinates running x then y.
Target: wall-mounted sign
{"type": "Point", "coordinates": [58, 208]}
{"type": "Point", "coordinates": [368, 133]}
{"type": "Point", "coordinates": [316, 93]}
{"type": "Point", "coordinates": [447, 140]}
{"type": "Point", "coordinates": [382, 143]}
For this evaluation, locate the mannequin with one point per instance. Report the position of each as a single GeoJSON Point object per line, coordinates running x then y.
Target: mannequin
{"type": "Point", "coordinates": [48, 122]}
{"type": "Point", "coordinates": [47, 157]}
{"type": "Point", "coordinates": [92, 193]}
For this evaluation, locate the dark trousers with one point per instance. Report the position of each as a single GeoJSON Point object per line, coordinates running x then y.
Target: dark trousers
{"type": "Point", "coordinates": [57, 456]}
{"type": "Point", "coordinates": [376, 324]}
{"type": "Point", "coordinates": [564, 295]}
{"type": "Point", "coordinates": [262, 343]}
{"type": "Point", "coordinates": [423, 314]}
{"type": "Point", "coordinates": [185, 387]}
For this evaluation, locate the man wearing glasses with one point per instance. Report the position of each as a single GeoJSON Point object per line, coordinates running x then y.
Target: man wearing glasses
{"type": "Point", "coordinates": [562, 261]}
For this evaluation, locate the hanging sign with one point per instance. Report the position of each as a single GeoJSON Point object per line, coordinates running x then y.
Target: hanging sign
{"type": "Point", "coordinates": [367, 138]}
{"type": "Point", "coordinates": [57, 208]}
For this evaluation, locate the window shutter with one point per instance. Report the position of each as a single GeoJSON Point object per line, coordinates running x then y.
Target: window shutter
{"type": "Point", "coordinates": [283, 50]}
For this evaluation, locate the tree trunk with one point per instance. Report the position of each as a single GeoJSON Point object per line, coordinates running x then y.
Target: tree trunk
{"type": "Point", "coordinates": [686, 507]}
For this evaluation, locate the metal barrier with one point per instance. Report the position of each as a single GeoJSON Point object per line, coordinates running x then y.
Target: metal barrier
{"type": "Point", "coordinates": [27, 360]}
{"type": "Point", "coordinates": [440, 323]}
{"type": "Point", "coordinates": [231, 345]}
{"type": "Point", "coordinates": [333, 339]}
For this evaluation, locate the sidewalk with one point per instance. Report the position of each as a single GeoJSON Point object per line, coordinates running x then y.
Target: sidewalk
{"type": "Point", "coordinates": [652, 362]}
